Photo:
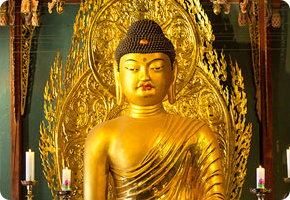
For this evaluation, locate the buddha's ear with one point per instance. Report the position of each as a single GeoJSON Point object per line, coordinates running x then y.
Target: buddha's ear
{"type": "Point", "coordinates": [119, 94]}
{"type": "Point", "coordinates": [172, 88]}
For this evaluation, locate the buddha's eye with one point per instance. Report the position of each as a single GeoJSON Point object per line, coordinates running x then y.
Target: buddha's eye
{"type": "Point", "coordinates": [131, 68]}
{"type": "Point", "coordinates": [157, 68]}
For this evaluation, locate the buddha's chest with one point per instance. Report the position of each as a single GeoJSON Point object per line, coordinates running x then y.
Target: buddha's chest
{"type": "Point", "coordinates": [132, 145]}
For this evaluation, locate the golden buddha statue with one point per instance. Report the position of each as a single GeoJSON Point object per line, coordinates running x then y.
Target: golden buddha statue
{"type": "Point", "coordinates": [151, 154]}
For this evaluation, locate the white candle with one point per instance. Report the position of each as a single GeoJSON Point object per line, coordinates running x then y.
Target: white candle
{"type": "Point", "coordinates": [66, 179]}
{"type": "Point", "coordinates": [260, 177]}
{"type": "Point", "coordinates": [288, 161]}
{"type": "Point", "coordinates": [29, 165]}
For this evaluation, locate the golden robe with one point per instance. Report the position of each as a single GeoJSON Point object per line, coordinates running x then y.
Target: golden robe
{"type": "Point", "coordinates": [184, 164]}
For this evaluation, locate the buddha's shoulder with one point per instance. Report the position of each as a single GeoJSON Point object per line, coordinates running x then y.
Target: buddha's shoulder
{"type": "Point", "coordinates": [198, 127]}
{"type": "Point", "coordinates": [105, 129]}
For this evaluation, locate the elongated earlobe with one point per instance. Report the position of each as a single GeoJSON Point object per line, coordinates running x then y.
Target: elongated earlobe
{"type": "Point", "coordinates": [119, 94]}
{"type": "Point", "coordinates": [172, 88]}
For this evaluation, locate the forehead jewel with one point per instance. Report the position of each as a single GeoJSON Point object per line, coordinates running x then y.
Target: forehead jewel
{"type": "Point", "coordinates": [143, 42]}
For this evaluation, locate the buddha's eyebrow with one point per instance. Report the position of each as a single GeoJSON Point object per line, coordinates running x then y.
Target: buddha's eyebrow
{"type": "Point", "coordinates": [155, 60]}
{"type": "Point", "coordinates": [130, 60]}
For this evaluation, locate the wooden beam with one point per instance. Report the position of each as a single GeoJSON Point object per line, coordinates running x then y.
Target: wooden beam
{"type": "Point", "coordinates": [15, 106]}
{"type": "Point", "coordinates": [266, 99]}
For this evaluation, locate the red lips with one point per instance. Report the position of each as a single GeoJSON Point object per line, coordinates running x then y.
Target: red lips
{"type": "Point", "coordinates": [145, 86]}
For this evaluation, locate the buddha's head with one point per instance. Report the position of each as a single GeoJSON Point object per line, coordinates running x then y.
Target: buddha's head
{"type": "Point", "coordinates": [145, 73]}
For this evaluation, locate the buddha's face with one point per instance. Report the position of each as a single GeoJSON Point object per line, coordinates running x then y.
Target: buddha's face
{"type": "Point", "coordinates": [145, 78]}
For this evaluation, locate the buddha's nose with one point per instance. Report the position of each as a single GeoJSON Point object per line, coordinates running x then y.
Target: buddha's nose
{"type": "Point", "coordinates": [144, 74]}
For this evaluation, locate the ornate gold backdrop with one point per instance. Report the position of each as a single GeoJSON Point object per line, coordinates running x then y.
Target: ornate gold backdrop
{"type": "Point", "coordinates": [81, 94]}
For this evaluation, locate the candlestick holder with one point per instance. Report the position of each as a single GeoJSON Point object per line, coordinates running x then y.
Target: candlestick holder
{"type": "Point", "coordinates": [287, 180]}
{"type": "Point", "coordinates": [66, 195]}
{"type": "Point", "coordinates": [260, 192]}
{"type": "Point", "coordinates": [29, 185]}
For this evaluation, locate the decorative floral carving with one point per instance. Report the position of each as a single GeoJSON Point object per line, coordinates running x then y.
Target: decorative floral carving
{"type": "Point", "coordinates": [83, 95]}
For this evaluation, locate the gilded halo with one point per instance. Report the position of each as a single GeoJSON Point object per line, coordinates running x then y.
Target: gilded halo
{"type": "Point", "coordinates": [107, 30]}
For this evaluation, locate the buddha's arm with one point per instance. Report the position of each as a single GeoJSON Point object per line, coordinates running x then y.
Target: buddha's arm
{"type": "Point", "coordinates": [96, 166]}
{"type": "Point", "coordinates": [215, 176]}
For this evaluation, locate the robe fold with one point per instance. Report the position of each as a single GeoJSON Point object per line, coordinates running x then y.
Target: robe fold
{"type": "Point", "coordinates": [182, 165]}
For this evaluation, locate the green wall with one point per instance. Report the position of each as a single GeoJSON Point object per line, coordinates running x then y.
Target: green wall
{"type": "Point", "coordinates": [54, 34]}
{"type": "Point", "coordinates": [5, 174]}
{"type": "Point", "coordinates": [235, 42]}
